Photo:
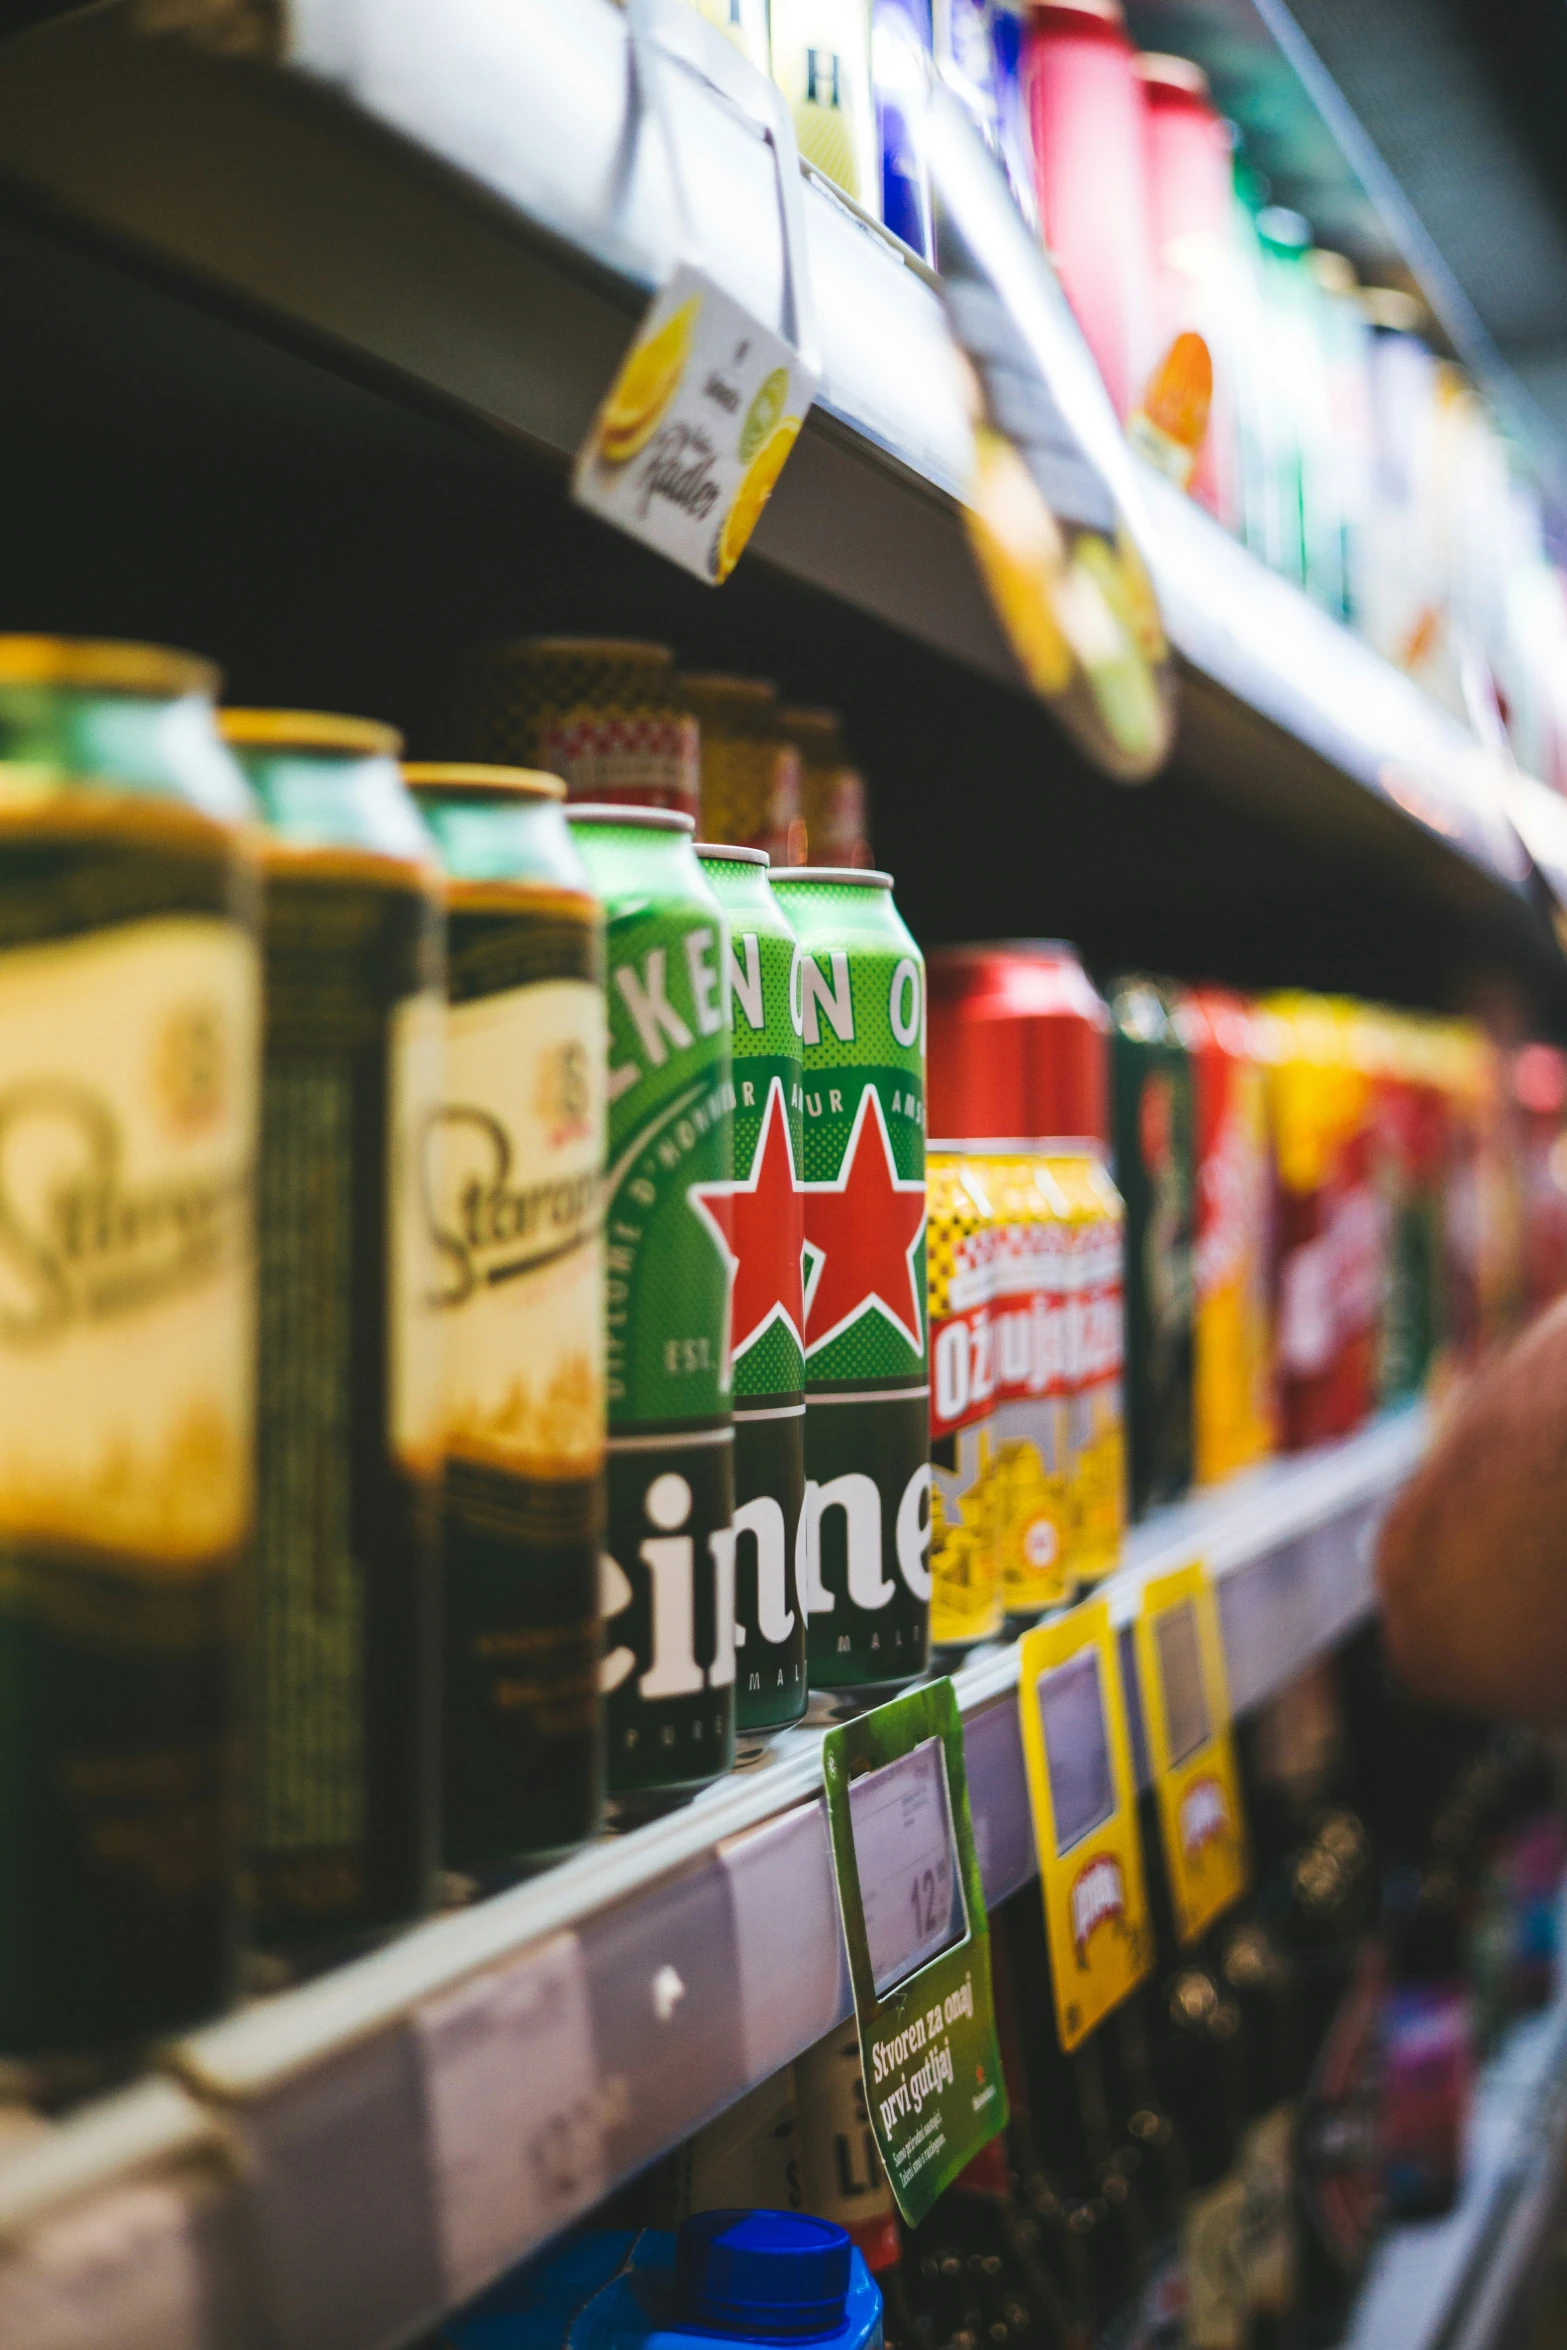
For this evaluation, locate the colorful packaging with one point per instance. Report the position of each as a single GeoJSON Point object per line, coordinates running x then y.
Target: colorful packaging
{"type": "Point", "coordinates": [1188, 158]}
{"type": "Point", "coordinates": [965, 1547]}
{"type": "Point", "coordinates": [821, 51]}
{"type": "Point", "coordinates": [901, 60]}
{"type": "Point", "coordinates": [750, 772]}
{"type": "Point", "coordinates": [513, 1185]}
{"type": "Point", "coordinates": [764, 1228]}
{"type": "Point", "coordinates": [1155, 1166]}
{"type": "Point", "coordinates": [833, 798]}
{"type": "Point", "coordinates": [669, 1556]}
{"type": "Point", "coordinates": [1096, 1457]}
{"type": "Point", "coordinates": [867, 1378]}
{"type": "Point", "coordinates": [345, 1690]}
{"type": "Point", "coordinates": [1035, 1264]}
{"type": "Point", "coordinates": [1086, 110]}
{"type": "Point", "coordinates": [1232, 1362]}
{"type": "Point", "coordinates": [603, 715]}
{"type": "Point", "coordinates": [1332, 1223]}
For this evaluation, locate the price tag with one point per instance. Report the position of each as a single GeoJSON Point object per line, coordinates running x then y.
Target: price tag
{"type": "Point", "coordinates": [698, 424]}
{"type": "Point", "coordinates": [1083, 1797]}
{"type": "Point", "coordinates": [907, 1863]}
{"type": "Point", "coordinates": [918, 1939]}
{"type": "Point", "coordinates": [1186, 1713]}
{"type": "Point", "coordinates": [516, 2109]}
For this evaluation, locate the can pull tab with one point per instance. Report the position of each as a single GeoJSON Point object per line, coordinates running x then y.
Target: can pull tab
{"type": "Point", "coordinates": [669, 32]}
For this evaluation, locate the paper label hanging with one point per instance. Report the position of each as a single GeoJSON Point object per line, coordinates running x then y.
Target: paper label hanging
{"type": "Point", "coordinates": [1186, 1714]}
{"type": "Point", "coordinates": [918, 1940]}
{"type": "Point", "coordinates": [1083, 1798]}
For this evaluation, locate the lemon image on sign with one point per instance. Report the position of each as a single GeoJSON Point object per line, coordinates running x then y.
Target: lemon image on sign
{"type": "Point", "coordinates": [646, 385]}
{"type": "Point", "coordinates": [1022, 556]}
{"type": "Point", "coordinates": [756, 487]}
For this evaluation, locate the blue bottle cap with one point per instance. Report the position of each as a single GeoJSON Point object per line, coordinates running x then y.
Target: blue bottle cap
{"type": "Point", "coordinates": [766, 2273]}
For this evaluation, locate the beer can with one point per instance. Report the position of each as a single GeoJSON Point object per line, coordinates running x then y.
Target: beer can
{"type": "Point", "coordinates": [965, 1536]}
{"type": "Point", "coordinates": [1096, 1465]}
{"type": "Point", "coordinates": [833, 799]}
{"type": "Point", "coordinates": [129, 1084]}
{"type": "Point", "coordinates": [344, 1687]}
{"type": "Point", "coordinates": [1034, 1268]}
{"type": "Point", "coordinates": [1018, 1050]}
{"type": "Point", "coordinates": [749, 2158]}
{"type": "Point", "coordinates": [1232, 1338]}
{"type": "Point", "coordinates": [750, 772]}
{"type": "Point", "coordinates": [867, 1420]}
{"type": "Point", "coordinates": [821, 52]}
{"type": "Point", "coordinates": [1156, 1175]}
{"type": "Point", "coordinates": [602, 714]}
{"type": "Point", "coordinates": [669, 1670]}
{"type": "Point", "coordinates": [513, 1183]}
{"type": "Point", "coordinates": [841, 2171]}
{"type": "Point", "coordinates": [765, 1231]}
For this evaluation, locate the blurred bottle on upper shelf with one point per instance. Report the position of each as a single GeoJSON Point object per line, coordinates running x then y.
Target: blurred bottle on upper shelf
{"type": "Point", "coordinates": [834, 802]}
{"type": "Point", "coordinates": [1086, 112]}
{"type": "Point", "coordinates": [1187, 156]}
{"type": "Point", "coordinates": [821, 57]}
{"type": "Point", "coordinates": [1155, 1171]}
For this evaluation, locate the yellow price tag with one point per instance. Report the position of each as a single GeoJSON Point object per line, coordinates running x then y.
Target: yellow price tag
{"type": "Point", "coordinates": [1083, 1796]}
{"type": "Point", "coordinates": [1186, 1714]}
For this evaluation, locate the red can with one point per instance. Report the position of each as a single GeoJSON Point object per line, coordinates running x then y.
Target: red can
{"type": "Point", "coordinates": [1232, 1375]}
{"type": "Point", "coordinates": [1085, 111]}
{"type": "Point", "coordinates": [1017, 1045]}
{"type": "Point", "coordinates": [1539, 1091]}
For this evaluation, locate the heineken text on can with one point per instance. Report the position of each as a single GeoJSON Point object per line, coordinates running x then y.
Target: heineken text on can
{"type": "Point", "coordinates": [867, 1422]}
{"type": "Point", "coordinates": [129, 1080]}
{"type": "Point", "coordinates": [513, 1181]}
{"type": "Point", "coordinates": [766, 1235]}
{"type": "Point", "coordinates": [344, 1691]}
{"type": "Point", "coordinates": [965, 1554]}
{"type": "Point", "coordinates": [668, 1567]}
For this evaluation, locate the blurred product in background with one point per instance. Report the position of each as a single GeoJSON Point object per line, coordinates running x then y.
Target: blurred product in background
{"type": "Point", "coordinates": [821, 53]}
{"type": "Point", "coordinates": [745, 22]}
{"type": "Point", "coordinates": [345, 1661]}
{"type": "Point", "coordinates": [1155, 1167]}
{"type": "Point", "coordinates": [511, 1180]}
{"type": "Point", "coordinates": [604, 715]}
{"type": "Point", "coordinates": [750, 770]}
{"type": "Point", "coordinates": [961, 1234]}
{"type": "Point", "coordinates": [833, 798]}
{"type": "Point", "coordinates": [900, 65]}
{"type": "Point", "coordinates": [1232, 1265]}
{"type": "Point", "coordinates": [130, 1073]}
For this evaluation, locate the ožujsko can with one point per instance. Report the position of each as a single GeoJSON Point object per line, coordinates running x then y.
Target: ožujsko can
{"type": "Point", "coordinates": [513, 1183]}
{"type": "Point", "coordinates": [867, 1421]}
{"type": "Point", "coordinates": [1034, 1267]}
{"type": "Point", "coordinates": [766, 1236]}
{"type": "Point", "coordinates": [669, 1670]}
{"type": "Point", "coordinates": [750, 772]}
{"type": "Point", "coordinates": [601, 713]}
{"type": "Point", "coordinates": [344, 1686]}
{"type": "Point", "coordinates": [1096, 1358]}
{"type": "Point", "coordinates": [129, 1087]}
{"type": "Point", "coordinates": [1232, 1361]}
{"type": "Point", "coordinates": [1156, 1175]}
{"type": "Point", "coordinates": [965, 1533]}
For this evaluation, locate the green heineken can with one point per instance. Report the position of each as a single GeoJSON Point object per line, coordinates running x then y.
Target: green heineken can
{"type": "Point", "coordinates": [867, 1419]}
{"type": "Point", "coordinates": [343, 1759]}
{"type": "Point", "coordinates": [130, 1078]}
{"type": "Point", "coordinates": [513, 1182]}
{"type": "Point", "coordinates": [766, 1239]}
{"type": "Point", "coordinates": [668, 1570]}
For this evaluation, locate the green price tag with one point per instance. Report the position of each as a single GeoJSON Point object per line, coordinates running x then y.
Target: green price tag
{"type": "Point", "coordinates": [918, 1939]}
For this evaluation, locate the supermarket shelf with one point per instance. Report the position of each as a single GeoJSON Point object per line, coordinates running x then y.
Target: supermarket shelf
{"type": "Point", "coordinates": [347, 2159]}
{"type": "Point", "coordinates": [454, 204]}
{"type": "Point", "coordinates": [1455, 2283]}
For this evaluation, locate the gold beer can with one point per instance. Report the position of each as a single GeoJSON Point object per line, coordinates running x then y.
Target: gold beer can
{"type": "Point", "coordinates": [750, 771]}
{"type": "Point", "coordinates": [602, 713]}
{"type": "Point", "coordinates": [833, 798]}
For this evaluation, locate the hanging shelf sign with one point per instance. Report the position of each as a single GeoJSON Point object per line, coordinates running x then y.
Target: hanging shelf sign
{"type": "Point", "coordinates": [689, 441]}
